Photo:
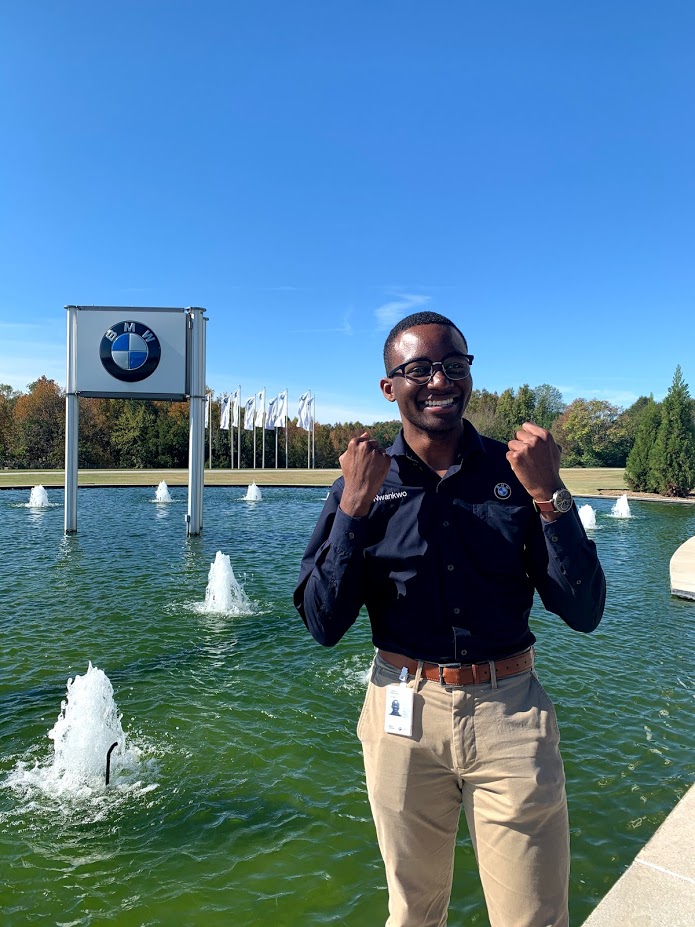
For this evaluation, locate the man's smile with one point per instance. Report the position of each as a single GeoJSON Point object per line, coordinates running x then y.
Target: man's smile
{"type": "Point", "coordinates": [442, 403]}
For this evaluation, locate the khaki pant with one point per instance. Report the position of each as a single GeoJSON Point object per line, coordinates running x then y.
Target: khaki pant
{"type": "Point", "coordinates": [495, 749]}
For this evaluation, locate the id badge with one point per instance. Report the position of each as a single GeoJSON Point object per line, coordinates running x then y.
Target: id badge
{"type": "Point", "coordinates": [398, 717]}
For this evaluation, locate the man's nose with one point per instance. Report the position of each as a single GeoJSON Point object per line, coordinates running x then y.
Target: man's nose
{"type": "Point", "coordinates": [438, 377]}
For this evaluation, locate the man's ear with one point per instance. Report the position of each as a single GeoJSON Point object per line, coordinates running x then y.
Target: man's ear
{"type": "Point", "coordinates": [387, 389]}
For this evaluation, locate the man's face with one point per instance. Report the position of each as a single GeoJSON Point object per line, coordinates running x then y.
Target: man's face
{"type": "Point", "coordinates": [436, 407]}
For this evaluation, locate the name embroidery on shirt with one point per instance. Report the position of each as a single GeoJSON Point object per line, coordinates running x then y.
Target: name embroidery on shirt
{"type": "Point", "coordinates": [387, 496]}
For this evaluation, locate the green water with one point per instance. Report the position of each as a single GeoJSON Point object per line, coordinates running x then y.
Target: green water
{"type": "Point", "coordinates": [247, 805]}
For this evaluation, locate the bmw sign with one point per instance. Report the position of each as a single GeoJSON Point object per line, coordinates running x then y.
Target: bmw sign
{"type": "Point", "coordinates": [130, 351]}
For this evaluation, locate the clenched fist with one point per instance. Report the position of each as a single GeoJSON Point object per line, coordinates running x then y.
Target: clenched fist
{"type": "Point", "coordinates": [535, 459]}
{"type": "Point", "coordinates": [365, 466]}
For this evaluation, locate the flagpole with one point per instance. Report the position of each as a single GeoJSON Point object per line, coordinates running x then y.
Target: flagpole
{"type": "Point", "coordinates": [210, 430]}
{"type": "Point", "coordinates": [263, 427]}
{"type": "Point", "coordinates": [308, 437]}
{"type": "Point", "coordinates": [287, 415]}
{"type": "Point", "coordinates": [313, 433]}
{"type": "Point", "coordinates": [231, 433]}
{"type": "Point", "coordinates": [238, 430]}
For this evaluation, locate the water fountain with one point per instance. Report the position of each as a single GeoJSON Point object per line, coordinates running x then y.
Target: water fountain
{"type": "Point", "coordinates": [621, 509]}
{"type": "Point", "coordinates": [162, 494]}
{"type": "Point", "coordinates": [89, 745]}
{"type": "Point", "coordinates": [38, 498]}
{"type": "Point", "coordinates": [587, 516]}
{"type": "Point", "coordinates": [223, 593]}
{"type": "Point", "coordinates": [253, 494]}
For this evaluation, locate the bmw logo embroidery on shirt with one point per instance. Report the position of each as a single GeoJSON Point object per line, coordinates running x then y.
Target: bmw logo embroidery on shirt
{"type": "Point", "coordinates": [130, 351]}
{"type": "Point", "coordinates": [503, 490]}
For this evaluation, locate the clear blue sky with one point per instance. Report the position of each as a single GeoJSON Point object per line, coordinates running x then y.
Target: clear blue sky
{"type": "Point", "coordinates": [311, 171]}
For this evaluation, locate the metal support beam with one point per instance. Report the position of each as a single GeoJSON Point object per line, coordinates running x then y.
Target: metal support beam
{"type": "Point", "coordinates": [196, 441]}
{"type": "Point", "coordinates": [72, 424]}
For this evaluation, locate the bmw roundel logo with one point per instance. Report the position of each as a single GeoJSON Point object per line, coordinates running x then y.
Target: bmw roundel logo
{"type": "Point", "coordinates": [130, 351]}
{"type": "Point", "coordinates": [503, 490]}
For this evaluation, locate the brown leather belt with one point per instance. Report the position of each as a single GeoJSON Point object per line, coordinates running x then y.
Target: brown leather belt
{"type": "Point", "coordinates": [458, 674]}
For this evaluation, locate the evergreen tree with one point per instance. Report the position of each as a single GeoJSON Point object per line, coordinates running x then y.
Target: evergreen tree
{"type": "Point", "coordinates": [637, 468]}
{"type": "Point", "coordinates": [672, 460]}
{"type": "Point", "coordinates": [504, 426]}
{"type": "Point", "coordinates": [524, 406]}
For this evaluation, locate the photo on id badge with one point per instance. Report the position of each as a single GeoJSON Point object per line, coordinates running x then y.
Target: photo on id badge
{"type": "Point", "coordinates": [398, 714]}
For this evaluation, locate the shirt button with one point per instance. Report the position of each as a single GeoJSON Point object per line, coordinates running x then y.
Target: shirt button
{"type": "Point", "coordinates": [457, 611]}
{"type": "Point", "coordinates": [445, 524]}
{"type": "Point", "coordinates": [579, 582]}
{"type": "Point", "coordinates": [450, 567]}
{"type": "Point", "coordinates": [554, 539]}
{"type": "Point", "coordinates": [463, 652]}
{"type": "Point", "coordinates": [351, 536]}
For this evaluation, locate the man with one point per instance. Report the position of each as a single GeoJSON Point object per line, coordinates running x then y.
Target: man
{"type": "Point", "coordinates": [444, 537]}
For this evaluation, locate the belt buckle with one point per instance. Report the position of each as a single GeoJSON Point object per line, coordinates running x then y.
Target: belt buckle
{"type": "Point", "coordinates": [442, 666]}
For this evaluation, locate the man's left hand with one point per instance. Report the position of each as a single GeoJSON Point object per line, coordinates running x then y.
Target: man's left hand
{"type": "Point", "coordinates": [535, 459]}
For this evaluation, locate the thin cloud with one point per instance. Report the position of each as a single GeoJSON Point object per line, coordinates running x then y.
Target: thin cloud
{"type": "Point", "coordinates": [345, 328]}
{"type": "Point", "coordinates": [390, 313]}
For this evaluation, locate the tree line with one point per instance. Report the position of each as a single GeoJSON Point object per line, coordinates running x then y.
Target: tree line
{"type": "Point", "coordinates": [654, 441]}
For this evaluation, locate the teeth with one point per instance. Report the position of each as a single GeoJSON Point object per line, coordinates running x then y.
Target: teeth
{"type": "Point", "coordinates": [439, 402]}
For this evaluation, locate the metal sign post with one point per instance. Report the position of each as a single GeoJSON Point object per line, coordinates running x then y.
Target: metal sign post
{"type": "Point", "coordinates": [196, 440]}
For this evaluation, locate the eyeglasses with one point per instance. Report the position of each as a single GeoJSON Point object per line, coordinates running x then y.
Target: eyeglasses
{"type": "Point", "coordinates": [454, 367]}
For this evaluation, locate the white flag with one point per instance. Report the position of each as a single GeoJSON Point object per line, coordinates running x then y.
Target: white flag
{"type": "Point", "coordinates": [249, 413]}
{"type": "Point", "coordinates": [270, 417]}
{"type": "Point", "coordinates": [224, 413]}
{"type": "Point", "coordinates": [236, 408]}
{"type": "Point", "coordinates": [260, 407]}
{"type": "Point", "coordinates": [304, 412]}
{"type": "Point", "coordinates": [208, 398]}
{"type": "Point", "coordinates": [281, 410]}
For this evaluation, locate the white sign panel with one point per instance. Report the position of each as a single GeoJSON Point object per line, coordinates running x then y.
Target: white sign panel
{"type": "Point", "coordinates": [140, 353]}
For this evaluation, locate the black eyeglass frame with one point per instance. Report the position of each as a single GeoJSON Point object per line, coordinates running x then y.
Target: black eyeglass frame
{"type": "Point", "coordinates": [399, 370]}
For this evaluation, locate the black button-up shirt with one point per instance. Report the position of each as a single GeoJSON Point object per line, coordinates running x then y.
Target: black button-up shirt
{"type": "Point", "coordinates": [447, 566]}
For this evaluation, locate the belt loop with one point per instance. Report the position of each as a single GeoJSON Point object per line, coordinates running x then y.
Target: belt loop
{"type": "Point", "coordinates": [493, 674]}
{"type": "Point", "coordinates": [418, 675]}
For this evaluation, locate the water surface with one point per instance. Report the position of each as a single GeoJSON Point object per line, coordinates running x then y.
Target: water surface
{"type": "Point", "coordinates": [250, 804]}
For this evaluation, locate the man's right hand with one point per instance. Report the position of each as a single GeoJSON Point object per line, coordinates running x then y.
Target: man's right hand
{"type": "Point", "coordinates": [365, 466]}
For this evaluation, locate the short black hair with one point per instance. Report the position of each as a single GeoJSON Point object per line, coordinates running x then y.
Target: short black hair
{"type": "Point", "coordinates": [410, 321]}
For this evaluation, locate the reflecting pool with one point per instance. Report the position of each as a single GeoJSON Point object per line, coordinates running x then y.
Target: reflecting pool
{"type": "Point", "coordinates": [243, 799]}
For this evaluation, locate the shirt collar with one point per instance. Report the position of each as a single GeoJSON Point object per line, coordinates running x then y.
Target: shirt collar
{"type": "Point", "coordinates": [471, 443]}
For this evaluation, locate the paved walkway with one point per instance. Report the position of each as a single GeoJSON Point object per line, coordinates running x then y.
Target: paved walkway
{"type": "Point", "coordinates": [658, 889]}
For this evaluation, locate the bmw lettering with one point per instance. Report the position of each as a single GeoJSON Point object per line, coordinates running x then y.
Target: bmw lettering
{"type": "Point", "coordinates": [130, 351]}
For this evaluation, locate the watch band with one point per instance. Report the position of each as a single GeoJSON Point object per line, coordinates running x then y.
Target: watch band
{"type": "Point", "coordinates": [548, 506]}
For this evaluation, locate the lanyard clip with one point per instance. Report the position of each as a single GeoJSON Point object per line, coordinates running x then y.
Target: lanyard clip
{"type": "Point", "coordinates": [404, 675]}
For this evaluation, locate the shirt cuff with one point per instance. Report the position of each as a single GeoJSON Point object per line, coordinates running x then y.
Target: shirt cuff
{"type": "Point", "coordinates": [348, 532]}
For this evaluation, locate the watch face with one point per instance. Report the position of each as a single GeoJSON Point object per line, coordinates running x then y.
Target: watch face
{"type": "Point", "coordinates": [562, 500]}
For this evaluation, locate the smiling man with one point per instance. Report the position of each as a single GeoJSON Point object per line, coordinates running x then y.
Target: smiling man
{"type": "Point", "coordinates": [443, 537]}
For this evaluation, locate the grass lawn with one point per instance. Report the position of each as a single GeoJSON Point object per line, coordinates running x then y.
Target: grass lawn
{"type": "Point", "coordinates": [592, 481]}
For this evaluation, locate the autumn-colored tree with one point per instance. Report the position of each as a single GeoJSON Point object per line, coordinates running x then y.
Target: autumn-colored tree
{"type": "Point", "coordinates": [8, 398]}
{"type": "Point", "coordinates": [39, 418]}
{"type": "Point", "coordinates": [591, 434]}
{"type": "Point", "coordinates": [482, 411]}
